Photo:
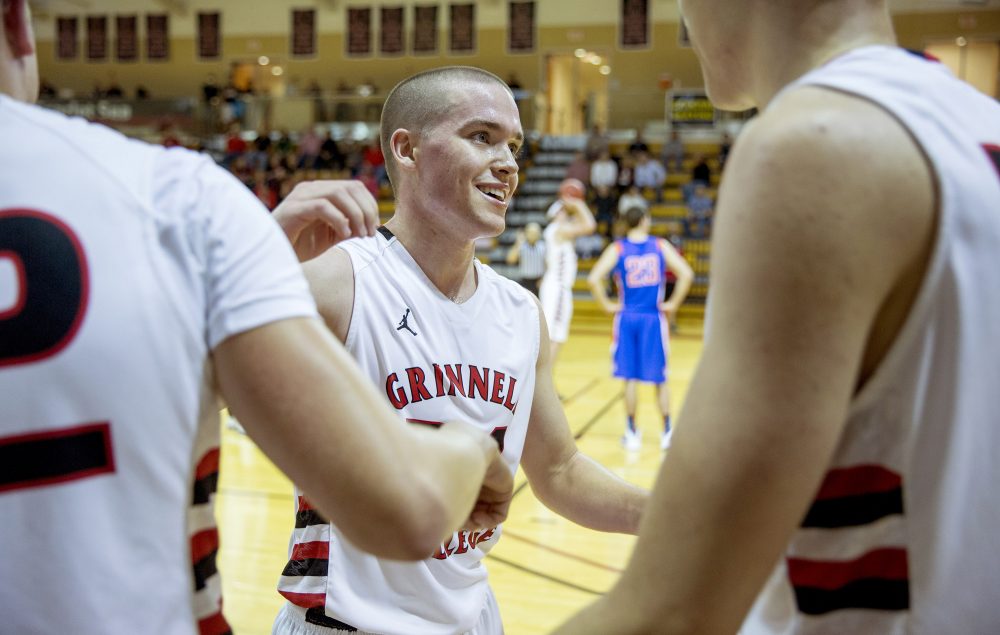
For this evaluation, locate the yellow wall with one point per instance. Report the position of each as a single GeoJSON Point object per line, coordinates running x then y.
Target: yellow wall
{"type": "Point", "coordinates": [633, 84]}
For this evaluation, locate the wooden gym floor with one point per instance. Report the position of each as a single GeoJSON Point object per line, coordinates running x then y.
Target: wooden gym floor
{"type": "Point", "coordinates": [543, 569]}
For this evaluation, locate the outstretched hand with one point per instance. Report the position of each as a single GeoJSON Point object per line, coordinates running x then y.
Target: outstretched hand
{"type": "Point", "coordinates": [494, 498]}
{"type": "Point", "coordinates": [317, 215]}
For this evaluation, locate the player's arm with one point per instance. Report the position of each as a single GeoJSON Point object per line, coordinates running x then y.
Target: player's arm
{"type": "Point", "coordinates": [599, 273]}
{"type": "Point", "coordinates": [565, 480]}
{"type": "Point", "coordinates": [580, 222]}
{"type": "Point", "coordinates": [680, 268]}
{"type": "Point", "coordinates": [394, 490]}
{"type": "Point", "coordinates": [789, 329]}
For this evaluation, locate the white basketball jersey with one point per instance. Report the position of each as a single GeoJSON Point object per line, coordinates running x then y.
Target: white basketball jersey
{"type": "Point", "coordinates": [902, 535]}
{"type": "Point", "coordinates": [121, 266]}
{"type": "Point", "coordinates": [435, 361]}
{"type": "Point", "coordinates": [560, 254]}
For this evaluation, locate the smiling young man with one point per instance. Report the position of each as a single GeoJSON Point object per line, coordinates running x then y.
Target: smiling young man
{"type": "Point", "coordinates": [833, 470]}
{"type": "Point", "coordinates": [444, 337]}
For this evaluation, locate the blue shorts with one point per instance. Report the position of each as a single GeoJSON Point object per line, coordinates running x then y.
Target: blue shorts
{"type": "Point", "coordinates": [639, 349]}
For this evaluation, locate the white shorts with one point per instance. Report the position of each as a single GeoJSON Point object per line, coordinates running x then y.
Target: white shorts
{"type": "Point", "coordinates": [557, 303]}
{"type": "Point", "coordinates": [291, 621]}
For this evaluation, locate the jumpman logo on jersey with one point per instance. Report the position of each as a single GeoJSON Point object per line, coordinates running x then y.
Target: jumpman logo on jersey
{"type": "Point", "coordinates": [403, 324]}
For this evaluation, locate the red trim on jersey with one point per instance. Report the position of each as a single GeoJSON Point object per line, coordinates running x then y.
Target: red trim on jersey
{"type": "Point", "coordinates": [203, 544]}
{"type": "Point", "coordinates": [993, 152]}
{"type": "Point", "coordinates": [304, 505]}
{"type": "Point", "coordinates": [208, 465]}
{"type": "Point", "coordinates": [214, 625]}
{"type": "Point", "coordinates": [881, 564]}
{"type": "Point", "coordinates": [21, 285]}
{"type": "Point", "coordinates": [81, 311]}
{"type": "Point", "coordinates": [857, 481]}
{"type": "Point", "coordinates": [305, 600]}
{"type": "Point", "coordinates": [425, 422]}
{"type": "Point", "coordinates": [318, 550]}
{"type": "Point", "coordinates": [107, 467]}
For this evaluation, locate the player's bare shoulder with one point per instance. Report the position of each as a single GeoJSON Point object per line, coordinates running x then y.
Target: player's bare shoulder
{"type": "Point", "coordinates": [331, 280]}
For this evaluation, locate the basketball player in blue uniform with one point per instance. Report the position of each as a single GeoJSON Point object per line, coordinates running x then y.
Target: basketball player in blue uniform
{"type": "Point", "coordinates": [641, 330]}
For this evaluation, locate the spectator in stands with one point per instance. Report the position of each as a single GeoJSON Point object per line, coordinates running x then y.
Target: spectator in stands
{"type": "Point", "coordinates": [366, 174]}
{"type": "Point", "coordinates": [261, 150]}
{"type": "Point", "coordinates": [672, 154]}
{"type": "Point", "coordinates": [373, 156]}
{"type": "Point", "coordinates": [631, 198]}
{"type": "Point", "coordinates": [309, 145]}
{"type": "Point", "coordinates": [114, 89]}
{"type": "Point", "coordinates": [236, 146]}
{"type": "Point", "coordinates": [141, 93]}
{"type": "Point", "coordinates": [344, 110]}
{"type": "Point", "coordinates": [528, 253]}
{"type": "Point", "coordinates": [700, 210]}
{"type": "Point", "coordinates": [597, 142]}
{"type": "Point", "coordinates": [638, 145]}
{"type": "Point", "coordinates": [579, 168]}
{"type": "Point", "coordinates": [330, 156]}
{"type": "Point", "coordinates": [319, 106]}
{"type": "Point", "coordinates": [46, 90]}
{"type": "Point", "coordinates": [650, 175]}
{"type": "Point", "coordinates": [604, 171]}
{"type": "Point", "coordinates": [513, 83]}
{"type": "Point", "coordinates": [626, 174]}
{"type": "Point", "coordinates": [701, 172]}
{"type": "Point", "coordinates": [605, 205]}
{"type": "Point", "coordinates": [210, 89]}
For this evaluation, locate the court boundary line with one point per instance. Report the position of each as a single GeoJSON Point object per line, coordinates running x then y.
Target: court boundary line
{"type": "Point", "coordinates": [550, 578]}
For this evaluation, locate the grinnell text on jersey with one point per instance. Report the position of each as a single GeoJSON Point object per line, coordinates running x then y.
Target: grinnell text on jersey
{"type": "Point", "coordinates": [416, 384]}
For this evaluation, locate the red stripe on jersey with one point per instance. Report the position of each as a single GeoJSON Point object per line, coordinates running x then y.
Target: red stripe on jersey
{"type": "Point", "coordinates": [209, 464]}
{"type": "Point", "coordinates": [882, 564]}
{"type": "Point", "coordinates": [214, 625]}
{"type": "Point", "coordinates": [425, 422]}
{"type": "Point", "coordinates": [858, 480]}
{"type": "Point", "coordinates": [304, 505]}
{"type": "Point", "coordinates": [305, 600]}
{"type": "Point", "coordinates": [319, 550]}
{"type": "Point", "coordinates": [204, 543]}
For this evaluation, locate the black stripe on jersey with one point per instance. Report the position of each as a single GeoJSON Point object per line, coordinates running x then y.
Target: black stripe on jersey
{"type": "Point", "coordinates": [318, 617]}
{"type": "Point", "coordinates": [385, 232]}
{"type": "Point", "coordinates": [203, 570]}
{"type": "Point", "coordinates": [852, 511]}
{"type": "Point", "coordinates": [55, 456]}
{"type": "Point", "coordinates": [204, 488]}
{"type": "Point", "coordinates": [309, 517]}
{"type": "Point", "coordinates": [309, 566]}
{"type": "Point", "coordinates": [882, 595]}
{"type": "Point", "coordinates": [994, 153]}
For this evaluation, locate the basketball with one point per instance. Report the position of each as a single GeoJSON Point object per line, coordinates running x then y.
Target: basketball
{"type": "Point", "coordinates": [572, 188]}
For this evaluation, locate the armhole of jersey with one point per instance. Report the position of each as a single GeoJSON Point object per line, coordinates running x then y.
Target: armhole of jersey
{"type": "Point", "coordinates": [351, 333]}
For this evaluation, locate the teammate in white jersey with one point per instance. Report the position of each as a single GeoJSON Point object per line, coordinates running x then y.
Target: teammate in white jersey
{"type": "Point", "coordinates": [443, 336]}
{"type": "Point", "coordinates": [840, 431]}
{"type": "Point", "coordinates": [137, 285]}
{"type": "Point", "coordinates": [569, 219]}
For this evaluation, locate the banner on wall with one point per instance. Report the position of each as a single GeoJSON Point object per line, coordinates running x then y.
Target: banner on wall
{"type": "Point", "coordinates": [634, 24]}
{"type": "Point", "coordinates": [391, 31]}
{"type": "Point", "coordinates": [157, 38]}
{"type": "Point", "coordinates": [691, 109]}
{"type": "Point", "coordinates": [127, 38]}
{"type": "Point", "coordinates": [97, 37]}
{"type": "Point", "coordinates": [462, 28]}
{"type": "Point", "coordinates": [66, 38]}
{"type": "Point", "coordinates": [425, 29]}
{"type": "Point", "coordinates": [521, 27]}
{"type": "Point", "coordinates": [303, 32]}
{"type": "Point", "coordinates": [209, 35]}
{"type": "Point", "coordinates": [359, 31]}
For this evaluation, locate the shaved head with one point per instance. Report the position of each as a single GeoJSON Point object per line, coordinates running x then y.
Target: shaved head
{"type": "Point", "coordinates": [421, 101]}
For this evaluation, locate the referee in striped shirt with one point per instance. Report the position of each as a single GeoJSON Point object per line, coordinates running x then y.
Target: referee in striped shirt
{"type": "Point", "coordinates": [529, 252]}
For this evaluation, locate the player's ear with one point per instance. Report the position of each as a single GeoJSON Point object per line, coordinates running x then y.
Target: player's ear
{"type": "Point", "coordinates": [404, 149]}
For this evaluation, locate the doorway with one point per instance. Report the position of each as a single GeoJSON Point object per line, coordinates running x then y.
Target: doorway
{"type": "Point", "coordinates": [576, 91]}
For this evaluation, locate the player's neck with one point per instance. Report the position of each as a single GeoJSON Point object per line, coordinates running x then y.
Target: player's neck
{"type": "Point", "coordinates": [789, 44]}
{"type": "Point", "coordinates": [444, 259]}
{"type": "Point", "coordinates": [637, 235]}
